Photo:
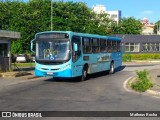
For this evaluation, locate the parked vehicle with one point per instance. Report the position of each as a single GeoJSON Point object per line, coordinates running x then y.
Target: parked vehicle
{"type": "Point", "coordinates": [21, 58]}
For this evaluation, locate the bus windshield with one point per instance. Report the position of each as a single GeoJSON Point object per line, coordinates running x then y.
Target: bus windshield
{"type": "Point", "coordinates": [53, 50]}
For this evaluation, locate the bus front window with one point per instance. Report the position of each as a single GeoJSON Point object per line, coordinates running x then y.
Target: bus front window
{"type": "Point", "coordinates": [53, 50]}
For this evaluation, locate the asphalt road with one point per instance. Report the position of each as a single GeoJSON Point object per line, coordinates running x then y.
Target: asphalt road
{"type": "Point", "coordinates": [102, 92]}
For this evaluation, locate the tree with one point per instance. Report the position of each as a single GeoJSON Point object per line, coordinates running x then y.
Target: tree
{"type": "Point", "coordinates": [100, 24]}
{"type": "Point", "coordinates": [34, 16]}
{"type": "Point", "coordinates": [128, 26]}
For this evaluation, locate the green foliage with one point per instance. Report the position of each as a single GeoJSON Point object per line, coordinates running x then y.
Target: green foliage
{"type": "Point", "coordinates": [130, 57]}
{"type": "Point", "coordinates": [126, 57]}
{"type": "Point", "coordinates": [128, 26]}
{"type": "Point", "coordinates": [34, 16]}
{"type": "Point", "coordinates": [143, 83]}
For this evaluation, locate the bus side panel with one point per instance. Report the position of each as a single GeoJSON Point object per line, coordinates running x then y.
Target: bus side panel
{"type": "Point", "coordinates": [117, 58]}
{"type": "Point", "coordinates": [77, 67]}
{"type": "Point", "coordinates": [99, 62]}
{"type": "Point", "coordinates": [103, 60]}
{"type": "Point", "coordinates": [92, 62]}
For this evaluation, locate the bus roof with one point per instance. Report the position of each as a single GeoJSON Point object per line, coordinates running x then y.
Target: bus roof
{"type": "Point", "coordinates": [84, 34]}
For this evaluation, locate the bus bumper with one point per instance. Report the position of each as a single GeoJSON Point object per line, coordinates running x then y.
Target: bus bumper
{"type": "Point", "coordinates": [65, 73]}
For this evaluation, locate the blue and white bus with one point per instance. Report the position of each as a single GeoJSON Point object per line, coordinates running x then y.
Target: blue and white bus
{"type": "Point", "coordinates": [70, 54]}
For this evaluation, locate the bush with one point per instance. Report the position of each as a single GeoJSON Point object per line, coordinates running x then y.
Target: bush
{"type": "Point", "coordinates": [143, 83]}
{"type": "Point", "coordinates": [130, 57]}
{"type": "Point", "coordinates": [126, 57]}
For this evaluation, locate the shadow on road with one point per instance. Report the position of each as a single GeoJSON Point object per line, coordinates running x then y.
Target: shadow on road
{"type": "Point", "coordinates": [90, 77]}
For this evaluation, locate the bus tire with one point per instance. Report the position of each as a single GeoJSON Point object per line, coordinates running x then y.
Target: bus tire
{"type": "Point", "coordinates": [84, 74]}
{"type": "Point", "coordinates": [111, 71]}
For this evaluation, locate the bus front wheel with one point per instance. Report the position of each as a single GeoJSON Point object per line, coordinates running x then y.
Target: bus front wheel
{"type": "Point", "coordinates": [111, 71]}
{"type": "Point", "coordinates": [84, 74]}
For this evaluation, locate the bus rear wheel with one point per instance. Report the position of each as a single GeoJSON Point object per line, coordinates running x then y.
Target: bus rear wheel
{"type": "Point", "coordinates": [111, 71]}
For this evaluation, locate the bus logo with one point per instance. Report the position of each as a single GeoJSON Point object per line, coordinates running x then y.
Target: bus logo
{"type": "Point", "coordinates": [6, 114]}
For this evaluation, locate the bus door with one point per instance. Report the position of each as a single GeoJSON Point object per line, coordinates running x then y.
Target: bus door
{"type": "Point", "coordinates": [76, 56]}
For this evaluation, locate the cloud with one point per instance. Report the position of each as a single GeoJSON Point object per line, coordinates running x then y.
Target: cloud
{"type": "Point", "coordinates": [147, 12]}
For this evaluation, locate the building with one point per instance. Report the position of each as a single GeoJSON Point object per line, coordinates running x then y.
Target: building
{"type": "Point", "coordinates": [114, 15]}
{"type": "Point", "coordinates": [5, 48]}
{"type": "Point", "coordinates": [148, 28]}
{"type": "Point", "coordinates": [140, 43]}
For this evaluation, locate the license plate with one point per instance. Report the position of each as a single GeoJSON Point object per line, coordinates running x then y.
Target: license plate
{"type": "Point", "coordinates": [50, 73]}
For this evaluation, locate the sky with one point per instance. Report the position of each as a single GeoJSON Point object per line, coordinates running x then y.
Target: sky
{"type": "Point", "coordinates": [138, 9]}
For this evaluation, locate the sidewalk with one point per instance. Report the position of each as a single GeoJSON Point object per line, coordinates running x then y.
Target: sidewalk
{"type": "Point", "coordinates": [23, 72]}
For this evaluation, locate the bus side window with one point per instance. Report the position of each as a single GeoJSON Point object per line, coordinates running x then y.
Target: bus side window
{"type": "Point", "coordinates": [76, 41]}
{"type": "Point", "coordinates": [95, 45]}
{"type": "Point", "coordinates": [114, 46]}
{"type": "Point", "coordinates": [118, 46]}
{"type": "Point", "coordinates": [109, 46]}
{"type": "Point", "coordinates": [87, 45]}
{"type": "Point", "coordinates": [102, 45]}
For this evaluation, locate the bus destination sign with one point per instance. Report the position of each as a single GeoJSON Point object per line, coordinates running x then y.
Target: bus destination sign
{"type": "Point", "coordinates": [53, 36]}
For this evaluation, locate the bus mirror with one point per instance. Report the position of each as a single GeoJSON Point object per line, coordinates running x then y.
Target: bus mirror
{"type": "Point", "coordinates": [33, 45]}
{"type": "Point", "coordinates": [75, 47]}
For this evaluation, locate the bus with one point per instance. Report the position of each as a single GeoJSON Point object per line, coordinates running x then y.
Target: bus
{"type": "Point", "coordinates": [69, 54]}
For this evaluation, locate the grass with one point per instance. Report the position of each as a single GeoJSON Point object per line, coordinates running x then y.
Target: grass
{"type": "Point", "coordinates": [143, 82]}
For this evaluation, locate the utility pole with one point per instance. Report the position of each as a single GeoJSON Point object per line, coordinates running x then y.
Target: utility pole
{"type": "Point", "coordinates": [51, 15]}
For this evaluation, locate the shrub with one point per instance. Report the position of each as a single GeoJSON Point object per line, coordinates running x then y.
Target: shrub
{"type": "Point", "coordinates": [126, 57]}
{"type": "Point", "coordinates": [143, 83]}
{"type": "Point", "coordinates": [130, 57]}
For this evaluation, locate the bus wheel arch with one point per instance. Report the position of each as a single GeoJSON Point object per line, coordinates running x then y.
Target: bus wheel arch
{"type": "Point", "coordinates": [112, 69]}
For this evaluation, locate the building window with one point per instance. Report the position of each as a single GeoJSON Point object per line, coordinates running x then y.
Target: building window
{"type": "Point", "coordinates": [114, 16]}
{"type": "Point", "coordinates": [156, 47]}
{"type": "Point", "coordinates": [132, 47]}
{"type": "Point", "coordinates": [150, 47]}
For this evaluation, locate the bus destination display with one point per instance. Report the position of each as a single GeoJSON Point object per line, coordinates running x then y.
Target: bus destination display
{"type": "Point", "coordinates": [53, 35]}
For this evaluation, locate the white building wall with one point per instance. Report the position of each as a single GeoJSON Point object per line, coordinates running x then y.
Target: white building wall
{"type": "Point", "coordinates": [114, 15]}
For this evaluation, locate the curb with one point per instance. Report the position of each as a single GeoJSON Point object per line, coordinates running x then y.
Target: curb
{"type": "Point", "coordinates": [130, 80]}
{"type": "Point", "coordinates": [154, 93]}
